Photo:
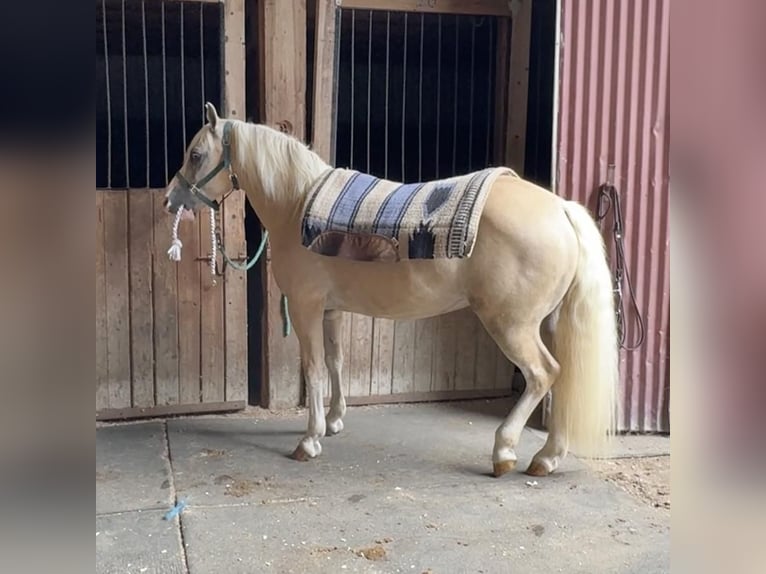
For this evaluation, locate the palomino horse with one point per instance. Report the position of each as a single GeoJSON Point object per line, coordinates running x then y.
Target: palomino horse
{"type": "Point", "coordinates": [537, 278]}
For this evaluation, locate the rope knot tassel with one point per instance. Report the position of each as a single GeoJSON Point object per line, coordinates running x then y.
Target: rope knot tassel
{"type": "Point", "coordinates": [174, 253]}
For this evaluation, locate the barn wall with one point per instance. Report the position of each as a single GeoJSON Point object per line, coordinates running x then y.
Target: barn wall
{"type": "Point", "coordinates": [614, 110]}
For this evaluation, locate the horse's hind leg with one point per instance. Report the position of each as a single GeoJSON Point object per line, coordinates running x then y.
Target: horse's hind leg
{"type": "Point", "coordinates": [333, 356]}
{"type": "Point", "coordinates": [522, 345]}
{"type": "Point", "coordinates": [557, 444]}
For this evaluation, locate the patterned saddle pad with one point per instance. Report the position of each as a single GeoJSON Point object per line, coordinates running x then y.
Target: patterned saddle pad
{"type": "Point", "coordinates": [365, 218]}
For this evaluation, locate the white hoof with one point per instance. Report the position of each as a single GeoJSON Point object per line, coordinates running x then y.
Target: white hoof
{"type": "Point", "coordinates": [307, 449]}
{"type": "Point", "coordinates": [503, 461]}
{"type": "Point", "coordinates": [334, 426]}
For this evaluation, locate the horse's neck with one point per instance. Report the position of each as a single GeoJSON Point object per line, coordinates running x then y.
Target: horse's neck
{"type": "Point", "coordinates": [278, 199]}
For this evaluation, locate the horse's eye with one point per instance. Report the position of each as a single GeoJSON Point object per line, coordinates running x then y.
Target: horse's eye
{"type": "Point", "coordinates": [195, 156]}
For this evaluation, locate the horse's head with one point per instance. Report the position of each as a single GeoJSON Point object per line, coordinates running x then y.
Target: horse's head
{"type": "Point", "coordinates": [205, 176]}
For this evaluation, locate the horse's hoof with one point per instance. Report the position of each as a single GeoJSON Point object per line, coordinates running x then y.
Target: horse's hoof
{"type": "Point", "coordinates": [334, 427]}
{"type": "Point", "coordinates": [300, 454]}
{"type": "Point", "coordinates": [501, 468]}
{"type": "Point", "coordinates": [538, 469]}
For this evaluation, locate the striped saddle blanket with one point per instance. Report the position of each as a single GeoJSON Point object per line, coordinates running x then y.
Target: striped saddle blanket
{"type": "Point", "coordinates": [361, 217]}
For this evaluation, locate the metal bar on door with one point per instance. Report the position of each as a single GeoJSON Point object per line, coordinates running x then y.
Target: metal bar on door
{"type": "Point", "coordinates": [369, 84]}
{"type": "Point", "coordinates": [125, 98]}
{"type": "Point", "coordinates": [353, 66]}
{"type": "Point", "coordinates": [471, 94]}
{"type": "Point", "coordinates": [108, 99]}
{"type": "Point", "coordinates": [404, 90]}
{"type": "Point", "coordinates": [164, 92]}
{"type": "Point", "coordinates": [438, 88]}
{"type": "Point", "coordinates": [488, 125]}
{"type": "Point", "coordinates": [146, 94]}
{"type": "Point", "coordinates": [202, 56]}
{"type": "Point", "coordinates": [420, 105]}
{"type": "Point", "coordinates": [385, 131]}
{"type": "Point", "coordinates": [183, 84]}
{"type": "Point", "coordinates": [457, 68]}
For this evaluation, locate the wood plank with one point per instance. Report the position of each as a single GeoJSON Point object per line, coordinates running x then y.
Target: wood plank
{"type": "Point", "coordinates": [475, 7]}
{"type": "Point", "coordinates": [486, 359]}
{"type": "Point", "coordinates": [117, 298]}
{"type": "Point", "coordinates": [383, 357]}
{"type": "Point", "coordinates": [446, 350]}
{"type": "Point", "coordinates": [234, 59]}
{"type": "Point", "coordinates": [423, 361]}
{"type": "Point", "coordinates": [501, 90]}
{"type": "Point", "coordinates": [189, 318]}
{"type": "Point", "coordinates": [324, 81]}
{"type": "Point", "coordinates": [144, 412]}
{"type": "Point", "coordinates": [165, 293]}
{"type": "Point", "coordinates": [516, 129]}
{"type": "Point", "coordinates": [102, 334]}
{"type": "Point", "coordinates": [212, 358]}
{"type": "Point", "coordinates": [404, 357]}
{"type": "Point", "coordinates": [360, 355]}
{"type": "Point", "coordinates": [431, 396]}
{"type": "Point", "coordinates": [235, 289]}
{"type": "Point", "coordinates": [141, 213]}
{"type": "Point", "coordinates": [282, 89]}
{"type": "Point", "coordinates": [465, 352]}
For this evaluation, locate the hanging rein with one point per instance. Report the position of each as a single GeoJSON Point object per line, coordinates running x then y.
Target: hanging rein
{"type": "Point", "coordinates": [609, 199]}
{"type": "Point", "coordinates": [216, 240]}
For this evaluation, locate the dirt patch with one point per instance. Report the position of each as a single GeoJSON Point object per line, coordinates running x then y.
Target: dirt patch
{"type": "Point", "coordinates": [211, 453]}
{"type": "Point", "coordinates": [374, 553]}
{"type": "Point", "coordinates": [645, 478]}
{"type": "Point", "coordinates": [237, 487]}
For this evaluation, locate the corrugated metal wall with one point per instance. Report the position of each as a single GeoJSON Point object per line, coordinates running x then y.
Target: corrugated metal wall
{"type": "Point", "coordinates": [613, 108]}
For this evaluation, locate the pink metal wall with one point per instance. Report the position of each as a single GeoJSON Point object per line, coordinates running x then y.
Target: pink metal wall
{"type": "Point", "coordinates": [613, 108]}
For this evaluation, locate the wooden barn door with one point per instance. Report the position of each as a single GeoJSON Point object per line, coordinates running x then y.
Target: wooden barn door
{"type": "Point", "coordinates": [419, 91]}
{"type": "Point", "coordinates": [168, 341]}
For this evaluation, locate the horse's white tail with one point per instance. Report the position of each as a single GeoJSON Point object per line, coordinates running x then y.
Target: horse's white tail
{"type": "Point", "coordinates": [585, 345]}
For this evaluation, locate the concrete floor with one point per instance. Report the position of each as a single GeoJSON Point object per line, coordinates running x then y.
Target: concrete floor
{"type": "Point", "coordinates": [405, 488]}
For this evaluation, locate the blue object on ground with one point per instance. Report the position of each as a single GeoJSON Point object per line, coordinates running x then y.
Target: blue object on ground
{"type": "Point", "coordinates": [175, 510]}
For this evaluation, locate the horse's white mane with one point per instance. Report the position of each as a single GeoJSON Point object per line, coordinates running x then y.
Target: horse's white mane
{"type": "Point", "coordinates": [284, 166]}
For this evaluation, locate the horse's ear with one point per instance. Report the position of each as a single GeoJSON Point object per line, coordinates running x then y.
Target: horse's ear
{"type": "Point", "coordinates": [212, 115]}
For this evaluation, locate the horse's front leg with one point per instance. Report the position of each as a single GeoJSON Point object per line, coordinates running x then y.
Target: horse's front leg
{"type": "Point", "coordinates": [307, 320]}
{"type": "Point", "coordinates": [333, 354]}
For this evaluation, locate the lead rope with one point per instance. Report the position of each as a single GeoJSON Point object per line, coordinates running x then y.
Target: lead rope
{"type": "Point", "coordinates": [174, 253]}
{"type": "Point", "coordinates": [213, 246]}
{"type": "Point", "coordinates": [175, 248]}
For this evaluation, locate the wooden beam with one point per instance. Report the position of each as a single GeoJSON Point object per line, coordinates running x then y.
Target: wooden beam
{"type": "Point", "coordinates": [166, 411]}
{"type": "Point", "coordinates": [427, 397]}
{"type": "Point", "coordinates": [234, 59]}
{"type": "Point", "coordinates": [322, 138]}
{"type": "Point", "coordinates": [516, 127]}
{"type": "Point", "coordinates": [474, 7]}
{"type": "Point", "coordinates": [233, 213]}
{"type": "Point", "coordinates": [282, 84]}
